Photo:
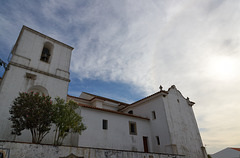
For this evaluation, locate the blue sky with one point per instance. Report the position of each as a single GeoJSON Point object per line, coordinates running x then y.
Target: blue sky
{"type": "Point", "coordinates": [125, 49]}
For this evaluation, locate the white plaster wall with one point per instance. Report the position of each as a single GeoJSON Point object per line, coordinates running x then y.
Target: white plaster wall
{"type": "Point", "coordinates": [159, 126]}
{"type": "Point", "coordinates": [85, 96]}
{"type": "Point", "coordinates": [182, 124]}
{"type": "Point", "coordinates": [11, 87]}
{"type": "Point", "coordinates": [117, 135]}
{"type": "Point", "coordinates": [227, 153]}
{"type": "Point", "coordinates": [110, 106]}
{"type": "Point", "coordinates": [97, 103]}
{"type": "Point", "coordinates": [30, 47]}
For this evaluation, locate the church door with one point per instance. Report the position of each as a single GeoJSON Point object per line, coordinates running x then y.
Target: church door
{"type": "Point", "coordinates": [145, 144]}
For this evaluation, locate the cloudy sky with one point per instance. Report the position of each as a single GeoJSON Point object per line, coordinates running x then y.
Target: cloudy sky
{"type": "Point", "coordinates": [126, 49]}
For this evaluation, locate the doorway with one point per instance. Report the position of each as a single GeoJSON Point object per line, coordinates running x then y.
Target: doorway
{"type": "Point", "coordinates": [145, 144]}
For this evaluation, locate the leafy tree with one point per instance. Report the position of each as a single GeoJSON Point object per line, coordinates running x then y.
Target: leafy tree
{"type": "Point", "coordinates": [33, 112]}
{"type": "Point", "coordinates": [66, 120]}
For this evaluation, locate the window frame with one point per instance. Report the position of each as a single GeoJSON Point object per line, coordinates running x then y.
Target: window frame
{"type": "Point", "coordinates": [134, 125]}
{"type": "Point", "coordinates": [105, 124]}
{"type": "Point", "coordinates": [158, 140]}
{"type": "Point", "coordinates": [154, 115]}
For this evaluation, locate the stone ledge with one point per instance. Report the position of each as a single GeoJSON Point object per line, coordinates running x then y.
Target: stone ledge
{"type": "Point", "coordinates": [23, 150]}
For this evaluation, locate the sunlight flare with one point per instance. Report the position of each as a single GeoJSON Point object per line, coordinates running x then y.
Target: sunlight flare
{"type": "Point", "coordinates": [222, 68]}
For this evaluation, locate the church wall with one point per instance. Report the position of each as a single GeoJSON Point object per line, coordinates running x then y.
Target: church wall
{"type": "Point", "coordinates": [159, 126]}
{"type": "Point", "coordinates": [182, 124]}
{"type": "Point", "coordinates": [117, 135]}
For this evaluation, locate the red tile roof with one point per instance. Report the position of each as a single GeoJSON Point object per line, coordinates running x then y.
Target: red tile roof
{"type": "Point", "coordinates": [238, 149]}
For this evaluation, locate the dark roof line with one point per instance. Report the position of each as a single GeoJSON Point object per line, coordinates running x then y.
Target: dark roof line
{"type": "Point", "coordinates": [77, 97]}
{"type": "Point", "coordinates": [162, 91]}
{"type": "Point", "coordinates": [103, 98]}
{"type": "Point", "coordinates": [190, 103]}
{"type": "Point", "coordinates": [107, 110]}
{"type": "Point", "coordinates": [41, 34]}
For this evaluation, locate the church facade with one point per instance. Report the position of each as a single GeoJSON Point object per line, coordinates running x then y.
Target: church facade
{"type": "Point", "coordinates": [163, 122]}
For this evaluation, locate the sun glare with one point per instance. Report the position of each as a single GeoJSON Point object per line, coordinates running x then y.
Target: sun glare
{"type": "Point", "coordinates": [222, 68]}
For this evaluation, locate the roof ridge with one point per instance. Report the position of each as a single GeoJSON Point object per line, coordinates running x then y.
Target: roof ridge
{"type": "Point", "coordinates": [97, 96]}
{"type": "Point", "coordinates": [112, 111]}
{"type": "Point", "coordinates": [149, 96]}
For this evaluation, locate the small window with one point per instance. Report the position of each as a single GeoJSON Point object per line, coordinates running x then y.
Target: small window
{"type": "Point", "coordinates": [132, 128]}
{"type": "Point", "coordinates": [158, 141]}
{"type": "Point", "coordinates": [153, 115]}
{"type": "Point", "coordinates": [130, 112]}
{"type": "Point", "coordinates": [105, 124]}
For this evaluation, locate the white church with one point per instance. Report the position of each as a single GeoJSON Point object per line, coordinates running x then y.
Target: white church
{"type": "Point", "coordinates": [160, 124]}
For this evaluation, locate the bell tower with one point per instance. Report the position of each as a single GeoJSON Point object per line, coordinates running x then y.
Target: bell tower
{"type": "Point", "coordinates": [39, 63]}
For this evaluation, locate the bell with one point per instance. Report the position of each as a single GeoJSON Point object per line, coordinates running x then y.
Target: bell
{"type": "Point", "coordinates": [46, 51]}
{"type": "Point", "coordinates": [44, 59]}
{"type": "Point", "coordinates": [45, 54]}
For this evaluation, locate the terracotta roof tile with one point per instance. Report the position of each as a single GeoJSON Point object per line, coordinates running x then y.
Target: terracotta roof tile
{"type": "Point", "coordinates": [238, 149]}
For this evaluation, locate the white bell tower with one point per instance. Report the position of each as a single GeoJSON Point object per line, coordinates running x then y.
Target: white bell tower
{"type": "Point", "coordinates": [39, 63]}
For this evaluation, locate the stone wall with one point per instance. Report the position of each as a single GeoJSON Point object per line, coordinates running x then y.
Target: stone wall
{"type": "Point", "coordinates": [29, 150]}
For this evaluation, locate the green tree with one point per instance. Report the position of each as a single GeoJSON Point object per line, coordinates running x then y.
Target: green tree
{"type": "Point", "coordinates": [33, 112]}
{"type": "Point", "coordinates": [66, 120]}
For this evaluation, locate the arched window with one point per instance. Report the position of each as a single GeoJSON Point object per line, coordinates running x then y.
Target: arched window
{"type": "Point", "coordinates": [130, 112]}
{"type": "Point", "coordinates": [46, 52]}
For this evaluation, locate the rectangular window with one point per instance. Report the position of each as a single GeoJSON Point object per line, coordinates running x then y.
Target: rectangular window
{"type": "Point", "coordinates": [153, 115]}
{"type": "Point", "coordinates": [158, 141]}
{"type": "Point", "coordinates": [105, 124]}
{"type": "Point", "coordinates": [132, 128]}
